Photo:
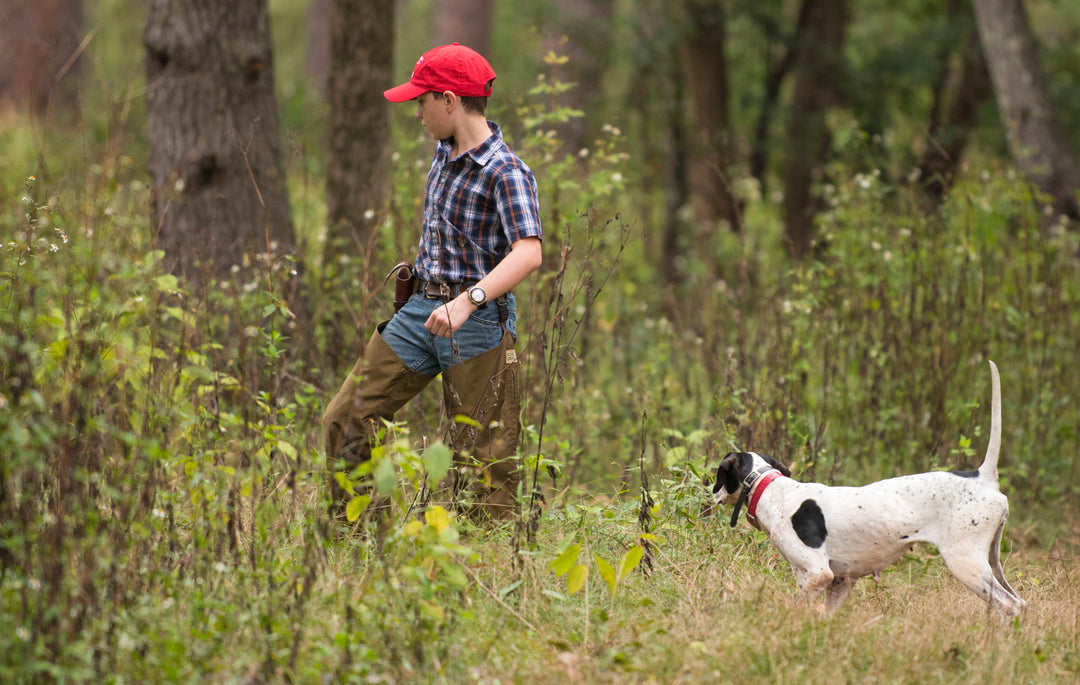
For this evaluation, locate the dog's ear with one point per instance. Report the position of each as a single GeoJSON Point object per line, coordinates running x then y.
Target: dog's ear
{"type": "Point", "coordinates": [729, 474]}
{"type": "Point", "coordinates": [776, 465]}
{"type": "Point", "coordinates": [728, 468]}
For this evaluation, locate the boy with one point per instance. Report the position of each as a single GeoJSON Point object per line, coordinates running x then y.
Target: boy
{"type": "Point", "coordinates": [481, 237]}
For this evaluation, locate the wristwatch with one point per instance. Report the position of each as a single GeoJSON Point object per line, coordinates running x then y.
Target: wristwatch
{"type": "Point", "coordinates": [477, 295]}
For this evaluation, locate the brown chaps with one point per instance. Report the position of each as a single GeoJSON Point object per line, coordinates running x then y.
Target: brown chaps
{"type": "Point", "coordinates": [483, 389]}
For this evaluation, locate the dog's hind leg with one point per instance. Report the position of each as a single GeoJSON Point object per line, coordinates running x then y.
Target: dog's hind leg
{"type": "Point", "coordinates": [994, 559]}
{"type": "Point", "coordinates": [971, 568]}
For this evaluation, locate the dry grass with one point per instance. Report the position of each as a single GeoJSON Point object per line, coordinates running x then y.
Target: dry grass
{"type": "Point", "coordinates": [721, 607]}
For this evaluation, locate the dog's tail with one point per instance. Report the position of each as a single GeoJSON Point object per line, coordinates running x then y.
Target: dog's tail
{"type": "Point", "coordinates": [988, 471]}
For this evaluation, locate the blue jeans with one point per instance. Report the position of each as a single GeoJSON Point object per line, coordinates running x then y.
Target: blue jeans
{"type": "Point", "coordinates": [426, 353]}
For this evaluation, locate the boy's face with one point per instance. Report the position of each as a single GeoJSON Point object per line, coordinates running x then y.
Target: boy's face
{"type": "Point", "coordinates": [432, 113]}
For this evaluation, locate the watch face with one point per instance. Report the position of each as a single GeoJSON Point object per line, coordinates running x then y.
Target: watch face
{"type": "Point", "coordinates": [477, 295]}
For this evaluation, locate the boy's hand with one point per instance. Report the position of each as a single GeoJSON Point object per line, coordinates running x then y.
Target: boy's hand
{"type": "Point", "coordinates": [446, 320]}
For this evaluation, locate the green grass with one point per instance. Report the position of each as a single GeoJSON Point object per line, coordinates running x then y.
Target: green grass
{"type": "Point", "coordinates": [719, 605]}
{"type": "Point", "coordinates": [162, 517]}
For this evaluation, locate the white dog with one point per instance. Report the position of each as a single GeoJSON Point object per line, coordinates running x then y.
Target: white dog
{"type": "Point", "coordinates": [832, 536]}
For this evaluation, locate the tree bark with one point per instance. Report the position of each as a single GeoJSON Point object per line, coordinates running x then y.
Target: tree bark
{"type": "Point", "coordinates": [464, 21]}
{"type": "Point", "coordinates": [317, 59]}
{"type": "Point", "coordinates": [40, 42]}
{"type": "Point", "coordinates": [358, 170]}
{"type": "Point", "coordinates": [776, 71]}
{"type": "Point", "coordinates": [214, 139]}
{"type": "Point", "coordinates": [957, 98]}
{"type": "Point", "coordinates": [818, 75]}
{"type": "Point", "coordinates": [1037, 140]}
{"type": "Point", "coordinates": [704, 62]}
{"type": "Point", "coordinates": [580, 30]}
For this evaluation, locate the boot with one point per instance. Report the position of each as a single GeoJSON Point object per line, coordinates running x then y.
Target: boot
{"type": "Point", "coordinates": [485, 388]}
{"type": "Point", "coordinates": [379, 384]}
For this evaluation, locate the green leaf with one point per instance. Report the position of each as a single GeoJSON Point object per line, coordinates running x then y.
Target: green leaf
{"type": "Point", "coordinates": [509, 588]}
{"type": "Point", "coordinates": [385, 478]}
{"type": "Point", "coordinates": [630, 560]}
{"type": "Point", "coordinates": [606, 572]}
{"type": "Point", "coordinates": [343, 481]}
{"type": "Point", "coordinates": [287, 448]}
{"type": "Point", "coordinates": [437, 458]}
{"type": "Point", "coordinates": [432, 611]}
{"type": "Point", "coordinates": [566, 560]}
{"type": "Point", "coordinates": [167, 282]}
{"type": "Point", "coordinates": [467, 420]}
{"type": "Point", "coordinates": [356, 506]}
{"type": "Point", "coordinates": [576, 579]}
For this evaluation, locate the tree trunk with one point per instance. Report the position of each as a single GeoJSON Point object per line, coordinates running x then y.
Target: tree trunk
{"type": "Point", "coordinates": [705, 64]}
{"type": "Point", "coordinates": [580, 30]}
{"type": "Point", "coordinates": [819, 72]}
{"type": "Point", "coordinates": [957, 98]}
{"type": "Point", "coordinates": [1036, 137]}
{"type": "Point", "coordinates": [776, 70]}
{"type": "Point", "coordinates": [358, 169]}
{"type": "Point", "coordinates": [215, 150]}
{"type": "Point", "coordinates": [317, 59]}
{"type": "Point", "coordinates": [464, 21]}
{"type": "Point", "coordinates": [40, 42]}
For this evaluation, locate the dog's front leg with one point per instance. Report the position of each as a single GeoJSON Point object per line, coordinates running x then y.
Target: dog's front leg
{"type": "Point", "coordinates": [812, 582]}
{"type": "Point", "coordinates": [838, 591]}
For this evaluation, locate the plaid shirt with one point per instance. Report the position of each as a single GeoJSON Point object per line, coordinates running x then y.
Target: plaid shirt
{"type": "Point", "coordinates": [475, 208]}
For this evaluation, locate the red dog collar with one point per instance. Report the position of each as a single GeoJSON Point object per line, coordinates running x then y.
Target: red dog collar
{"type": "Point", "coordinates": [759, 488]}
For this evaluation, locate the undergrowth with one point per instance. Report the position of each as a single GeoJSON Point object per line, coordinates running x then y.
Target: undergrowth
{"type": "Point", "coordinates": [163, 494]}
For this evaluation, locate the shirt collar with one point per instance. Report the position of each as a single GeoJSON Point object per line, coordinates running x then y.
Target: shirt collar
{"type": "Point", "coordinates": [482, 153]}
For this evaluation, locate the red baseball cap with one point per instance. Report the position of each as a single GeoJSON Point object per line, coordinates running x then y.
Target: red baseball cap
{"type": "Point", "coordinates": [454, 67]}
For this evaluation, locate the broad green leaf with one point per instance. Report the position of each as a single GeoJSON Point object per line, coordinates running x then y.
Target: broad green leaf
{"type": "Point", "coordinates": [437, 458]}
{"type": "Point", "coordinates": [453, 573]}
{"type": "Point", "coordinates": [606, 572]}
{"type": "Point", "coordinates": [385, 478]}
{"type": "Point", "coordinates": [412, 529]}
{"type": "Point", "coordinates": [566, 560]}
{"type": "Point", "coordinates": [630, 560]}
{"type": "Point", "coordinates": [167, 282]}
{"type": "Point", "coordinates": [287, 448]}
{"type": "Point", "coordinates": [356, 506]}
{"type": "Point", "coordinates": [575, 580]}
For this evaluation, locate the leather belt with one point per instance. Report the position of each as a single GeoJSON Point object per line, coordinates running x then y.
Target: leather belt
{"type": "Point", "coordinates": [442, 291]}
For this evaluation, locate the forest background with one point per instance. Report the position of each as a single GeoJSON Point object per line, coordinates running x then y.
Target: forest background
{"type": "Point", "coordinates": [798, 227]}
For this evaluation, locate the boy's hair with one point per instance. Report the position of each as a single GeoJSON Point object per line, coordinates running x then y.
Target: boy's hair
{"type": "Point", "coordinates": [473, 105]}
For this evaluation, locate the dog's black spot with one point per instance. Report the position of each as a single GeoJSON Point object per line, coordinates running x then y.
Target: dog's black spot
{"type": "Point", "coordinates": [965, 474]}
{"type": "Point", "coordinates": [809, 524]}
